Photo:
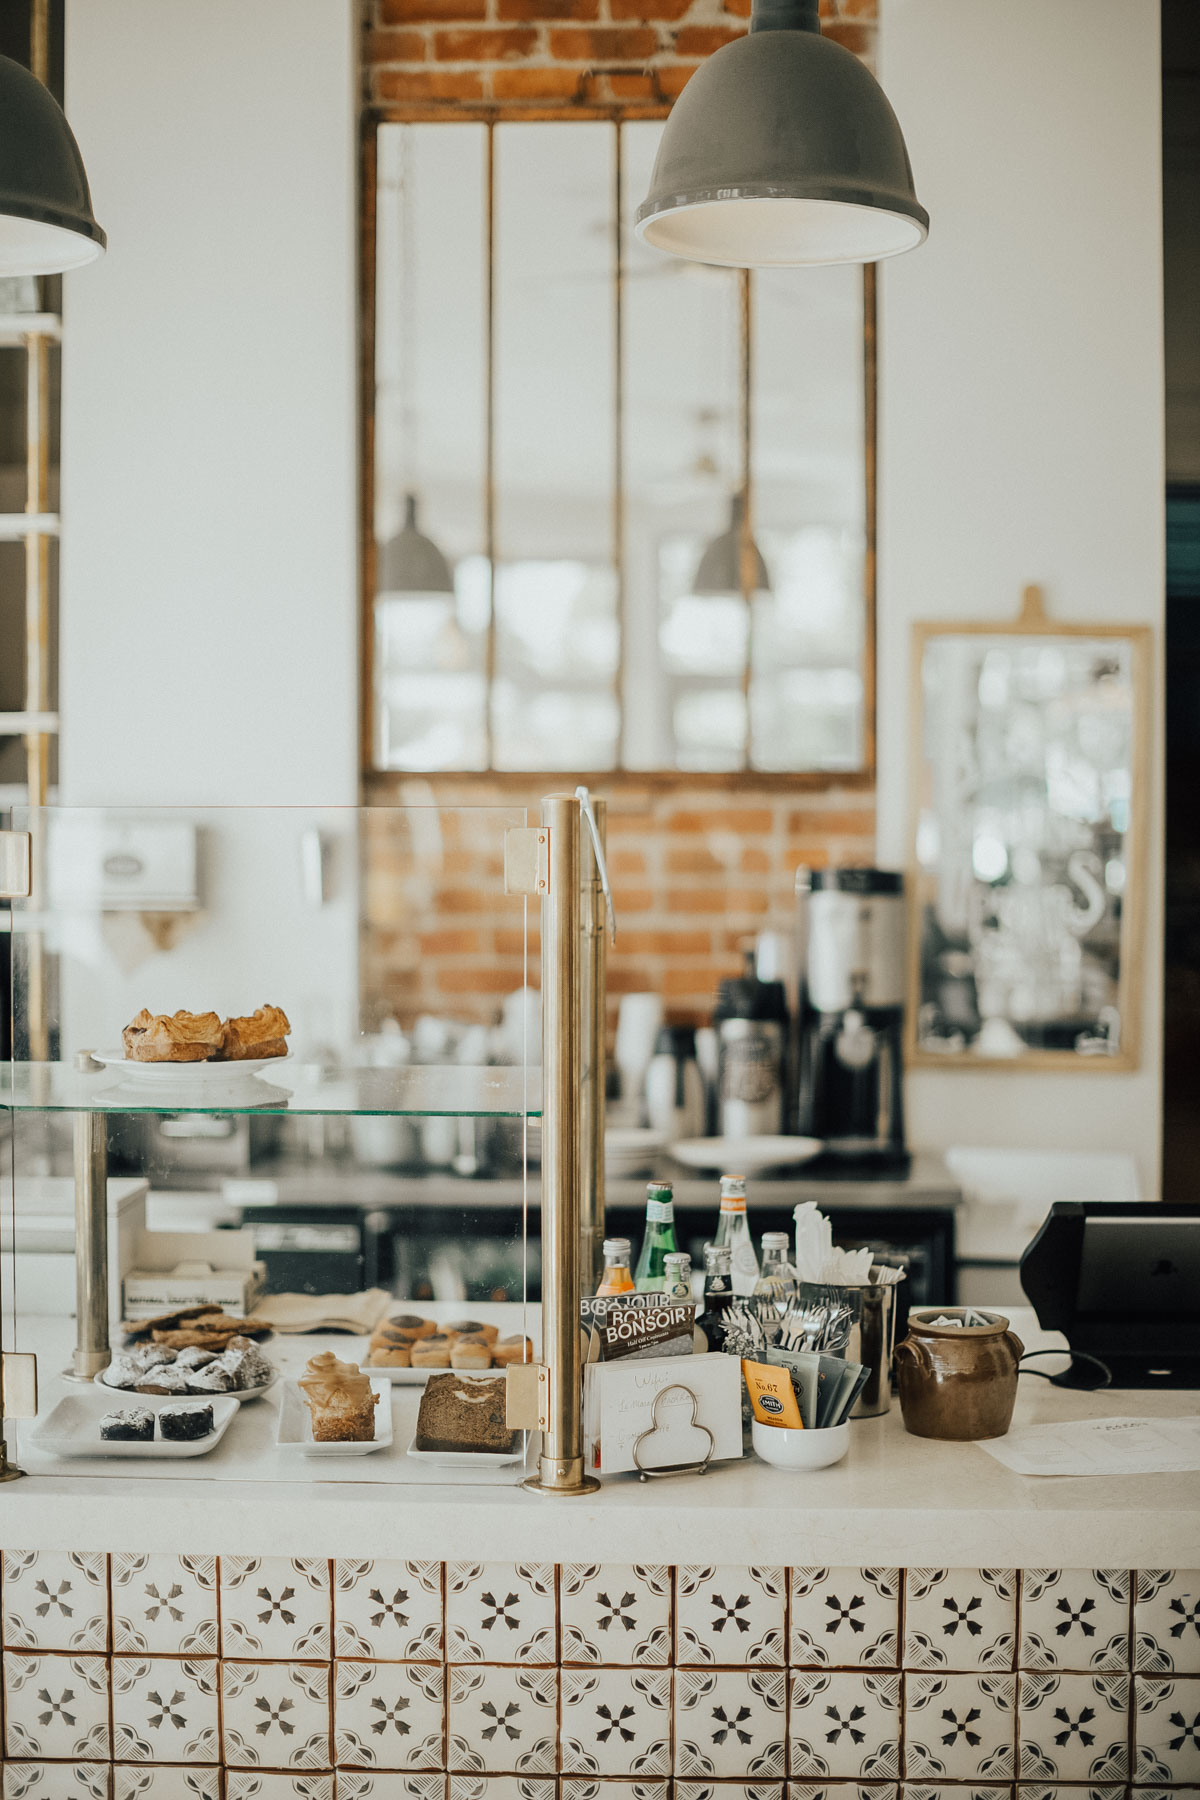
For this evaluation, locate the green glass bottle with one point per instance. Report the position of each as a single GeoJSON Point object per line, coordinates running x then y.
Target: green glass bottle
{"type": "Point", "coordinates": [650, 1277]}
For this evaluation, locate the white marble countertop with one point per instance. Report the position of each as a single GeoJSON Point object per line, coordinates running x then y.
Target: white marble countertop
{"type": "Point", "coordinates": [896, 1500]}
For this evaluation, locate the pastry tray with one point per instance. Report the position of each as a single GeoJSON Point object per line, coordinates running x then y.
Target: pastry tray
{"type": "Point", "coordinates": [244, 1395]}
{"type": "Point", "coordinates": [295, 1424]}
{"type": "Point", "coordinates": [471, 1459]}
{"type": "Point", "coordinates": [72, 1428]}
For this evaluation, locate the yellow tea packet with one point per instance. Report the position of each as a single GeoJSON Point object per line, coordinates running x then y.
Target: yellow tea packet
{"type": "Point", "coordinates": [772, 1395]}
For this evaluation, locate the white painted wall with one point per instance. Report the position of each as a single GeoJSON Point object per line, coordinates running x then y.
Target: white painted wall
{"type": "Point", "coordinates": [209, 443]}
{"type": "Point", "coordinates": [209, 581]}
{"type": "Point", "coordinates": [1022, 422]}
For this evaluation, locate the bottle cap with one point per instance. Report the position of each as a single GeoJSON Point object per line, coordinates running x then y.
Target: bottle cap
{"type": "Point", "coordinates": [677, 1258]}
{"type": "Point", "coordinates": [659, 1190]}
{"type": "Point", "coordinates": [775, 1240]}
{"type": "Point", "coordinates": [614, 1247]}
{"type": "Point", "coordinates": [717, 1259]}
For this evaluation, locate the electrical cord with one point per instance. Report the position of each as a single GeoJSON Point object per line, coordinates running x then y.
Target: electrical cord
{"type": "Point", "coordinates": [1075, 1355]}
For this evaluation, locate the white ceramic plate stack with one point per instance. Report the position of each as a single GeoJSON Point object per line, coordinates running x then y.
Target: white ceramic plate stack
{"type": "Point", "coordinates": [630, 1151]}
{"type": "Point", "coordinates": [295, 1424]}
{"type": "Point", "coordinates": [744, 1156]}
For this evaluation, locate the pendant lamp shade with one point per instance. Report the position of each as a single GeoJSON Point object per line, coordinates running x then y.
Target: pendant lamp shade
{"type": "Point", "coordinates": [46, 219]}
{"type": "Point", "coordinates": [720, 567]}
{"type": "Point", "coordinates": [782, 150]}
{"type": "Point", "coordinates": [411, 563]}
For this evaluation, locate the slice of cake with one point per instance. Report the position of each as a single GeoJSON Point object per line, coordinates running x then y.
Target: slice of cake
{"type": "Point", "coordinates": [184, 1424]}
{"type": "Point", "coordinates": [464, 1412]}
{"type": "Point", "coordinates": [341, 1400]}
{"type": "Point", "coordinates": [135, 1427]}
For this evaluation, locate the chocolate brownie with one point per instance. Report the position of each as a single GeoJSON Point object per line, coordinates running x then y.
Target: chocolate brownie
{"type": "Point", "coordinates": [128, 1427]}
{"type": "Point", "coordinates": [183, 1424]}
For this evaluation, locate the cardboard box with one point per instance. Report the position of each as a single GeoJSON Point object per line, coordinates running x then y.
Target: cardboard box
{"type": "Point", "coordinates": [194, 1268]}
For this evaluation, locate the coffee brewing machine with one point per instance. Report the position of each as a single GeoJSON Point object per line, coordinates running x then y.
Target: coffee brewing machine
{"type": "Point", "coordinates": [851, 1018]}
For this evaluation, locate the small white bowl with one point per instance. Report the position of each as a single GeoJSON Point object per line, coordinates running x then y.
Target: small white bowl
{"type": "Point", "coordinates": [790, 1449]}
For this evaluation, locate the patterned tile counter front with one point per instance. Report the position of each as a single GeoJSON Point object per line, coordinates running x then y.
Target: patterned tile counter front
{"type": "Point", "coordinates": [280, 1678]}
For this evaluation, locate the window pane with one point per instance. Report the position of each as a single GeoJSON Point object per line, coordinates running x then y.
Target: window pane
{"type": "Point", "coordinates": [807, 453]}
{"type": "Point", "coordinates": [684, 654]}
{"type": "Point", "coordinates": [554, 702]}
{"type": "Point", "coordinates": [430, 428]}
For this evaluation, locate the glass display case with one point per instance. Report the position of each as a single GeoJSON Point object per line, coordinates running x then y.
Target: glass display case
{"type": "Point", "coordinates": [342, 1161]}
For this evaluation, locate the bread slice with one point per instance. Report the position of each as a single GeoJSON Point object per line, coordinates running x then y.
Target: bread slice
{"type": "Point", "coordinates": [464, 1412]}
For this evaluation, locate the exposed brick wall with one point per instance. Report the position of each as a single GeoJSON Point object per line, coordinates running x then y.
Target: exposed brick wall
{"type": "Point", "coordinates": [558, 52]}
{"type": "Point", "coordinates": [696, 871]}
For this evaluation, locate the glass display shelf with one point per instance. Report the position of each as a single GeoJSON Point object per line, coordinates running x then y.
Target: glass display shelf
{"type": "Point", "coordinates": [421, 1091]}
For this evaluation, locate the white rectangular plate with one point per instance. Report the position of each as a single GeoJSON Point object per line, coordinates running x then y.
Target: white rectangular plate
{"type": "Point", "coordinates": [470, 1459]}
{"type": "Point", "coordinates": [295, 1424]}
{"type": "Point", "coordinates": [72, 1428]}
{"type": "Point", "coordinates": [404, 1377]}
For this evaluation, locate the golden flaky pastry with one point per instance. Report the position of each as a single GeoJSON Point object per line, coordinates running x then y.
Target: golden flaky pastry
{"type": "Point", "coordinates": [180, 1037]}
{"type": "Point", "coordinates": [261, 1033]}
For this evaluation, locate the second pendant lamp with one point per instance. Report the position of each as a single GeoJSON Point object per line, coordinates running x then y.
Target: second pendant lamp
{"type": "Point", "coordinates": [782, 150]}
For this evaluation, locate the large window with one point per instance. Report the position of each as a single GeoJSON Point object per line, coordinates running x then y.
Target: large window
{"type": "Point", "coordinates": [620, 513]}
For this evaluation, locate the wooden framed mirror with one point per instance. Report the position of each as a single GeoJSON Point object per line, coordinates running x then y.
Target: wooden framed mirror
{"type": "Point", "coordinates": [1030, 796]}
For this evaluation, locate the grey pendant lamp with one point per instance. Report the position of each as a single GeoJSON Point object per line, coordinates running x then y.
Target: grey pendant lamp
{"type": "Point", "coordinates": [46, 219]}
{"type": "Point", "coordinates": [411, 563]}
{"type": "Point", "coordinates": [719, 570]}
{"type": "Point", "coordinates": [782, 150]}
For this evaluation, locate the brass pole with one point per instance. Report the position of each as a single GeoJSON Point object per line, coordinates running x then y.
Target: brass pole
{"type": "Point", "coordinates": [593, 1048]}
{"type": "Point", "coordinates": [92, 1351]}
{"type": "Point", "coordinates": [746, 569]}
{"type": "Point", "coordinates": [560, 1469]}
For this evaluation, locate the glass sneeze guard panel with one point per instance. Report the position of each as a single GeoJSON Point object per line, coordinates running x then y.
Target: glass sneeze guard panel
{"type": "Point", "coordinates": [388, 1153]}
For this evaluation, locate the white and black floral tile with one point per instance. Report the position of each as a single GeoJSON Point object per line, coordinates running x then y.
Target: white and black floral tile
{"type": "Point", "coordinates": [616, 1722]}
{"type": "Point", "coordinates": [1166, 1729]}
{"type": "Point", "coordinates": [729, 1614]}
{"type": "Point", "coordinates": [589, 1787]}
{"type": "Point", "coordinates": [960, 1618]}
{"type": "Point", "coordinates": [164, 1605]}
{"type": "Point", "coordinates": [164, 1710]}
{"type": "Point", "coordinates": [162, 1781]}
{"type": "Point", "coordinates": [501, 1613]}
{"type": "Point", "coordinates": [56, 1707]}
{"type": "Point", "coordinates": [959, 1727]}
{"type": "Point", "coordinates": [1074, 1728]}
{"type": "Point", "coordinates": [356, 1784]}
{"type": "Point", "coordinates": [957, 1791]}
{"type": "Point", "coordinates": [55, 1781]}
{"type": "Point", "coordinates": [255, 1784]}
{"type": "Point", "coordinates": [389, 1715]}
{"type": "Point", "coordinates": [275, 1607]}
{"type": "Point", "coordinates": [275, 1715]}
{"type": "Point", "coordinates": [615, 1613]}
{"type": "Point", "coordinates": [1040, 1790]}
{"type": "Point", "coordinates": [388, 1611]}
{"type": "Point", "coordinates": [503, 1720]}
{"type": "Point", "coordinates": [1166, 1621]}
{"type": "Point", "coordinates": [845, 1617]}
{"type": "Point", "coordinates": [729, 1790]}
{"type": "Point", "coordinates": [55, 1600]}
{"type": "Point", "coordinates": [731, 1723]}
{"type": "Point", "coordinates": [501, 1787]}
{"type": "Point", "coordinates": [845, 1790]}
{"type": "Point", "coordinates": [1075, 1618]}
{"type": "Point", "coordinates": [845, 1724]}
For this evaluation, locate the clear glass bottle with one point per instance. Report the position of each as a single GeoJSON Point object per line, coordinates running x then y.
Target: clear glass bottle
{"type": "Point", "coordinates": [678, 1282]}
{"type": "Point", "coordinates": [659, 1241]}
{"type": "Point", "coordinates": [778, 1278]}
{"type": "Point", "coordinates": [616, 1278]}
{"type": "Point", "coordinates": [734, 1231]}
{"type": "Point", "coordinates": [718, 1294]}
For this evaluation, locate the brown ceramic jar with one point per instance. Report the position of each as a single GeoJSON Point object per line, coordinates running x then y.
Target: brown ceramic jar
{"type": "Point", "coordinates": [957, 1381]}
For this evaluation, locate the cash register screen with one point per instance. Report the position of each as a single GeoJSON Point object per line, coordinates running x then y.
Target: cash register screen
{"type": "Point", "coordinates": [1145, 1268]}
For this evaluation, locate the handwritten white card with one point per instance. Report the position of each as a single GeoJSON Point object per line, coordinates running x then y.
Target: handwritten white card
{"type": "Point", "coordinates": [1100, 1447]}
{"type": "Point", "coordinates": [619, 1405]}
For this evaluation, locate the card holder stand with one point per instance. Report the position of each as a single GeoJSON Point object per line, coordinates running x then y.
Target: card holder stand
{"type": "Point", "coordinates": [698, 1468]}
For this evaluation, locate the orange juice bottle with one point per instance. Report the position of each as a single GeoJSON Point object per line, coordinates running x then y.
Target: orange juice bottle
{"type": "Point", "coordinates": [616, 1278]}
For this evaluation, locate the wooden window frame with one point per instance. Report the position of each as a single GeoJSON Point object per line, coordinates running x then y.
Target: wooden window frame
{"type": "Point", "coordinates": [383, 785]}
